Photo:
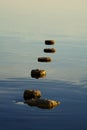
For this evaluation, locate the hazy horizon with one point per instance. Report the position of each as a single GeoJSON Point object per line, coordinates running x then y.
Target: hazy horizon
{"type": "Point", "coordinates": [63, 17]}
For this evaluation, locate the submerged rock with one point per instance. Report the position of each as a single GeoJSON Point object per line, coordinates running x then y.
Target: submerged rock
{"type": "Point", "coordinates": [44, 59]}
{"type": "Point", "coordinates": [29, 94]}
{"type": "Point", "coordinates": [38, 73]}
{"type": "Point", "coordinates": [43, 103]}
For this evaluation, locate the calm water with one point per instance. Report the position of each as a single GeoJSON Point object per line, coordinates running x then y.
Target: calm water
{"type": "Point", "coordinates": [24, 26]}
{"type": "Point", "coordinates": [66, 81]}
{"type": "Point", "coordinates": [19, 53]}
{"type": "Point", "coordinates": [71, 114]}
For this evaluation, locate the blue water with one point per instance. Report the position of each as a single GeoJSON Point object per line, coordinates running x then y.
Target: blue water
{"type": "Point", "coordinates": [70, 114]}
{"type": "Point", "coordinates": [66, 79]}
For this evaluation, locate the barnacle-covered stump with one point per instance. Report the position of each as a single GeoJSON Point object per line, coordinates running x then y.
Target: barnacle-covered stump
{"type": "Point", "coordinates": [49, 42]}
{"type": "Point", "coordinates": [49, 50]}
{"type": "Point", "coordinates": [43, 103]}
{"type": "Point", "coordinates": [29, 94]}
{"type": "Point", "coordinates": [38, 73]}
{"type": "Point", "coordinates": [44, 59]}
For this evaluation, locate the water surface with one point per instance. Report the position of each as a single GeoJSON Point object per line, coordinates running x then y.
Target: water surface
{"type": "Point", "coordinates": [24, 26]}
{"type": "Point", "coordinates": [70, 114]}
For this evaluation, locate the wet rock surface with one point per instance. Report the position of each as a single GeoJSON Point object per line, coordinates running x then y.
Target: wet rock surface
{"type": "Point", "coordinates": [36, 73]}
{"type": "Point", "coordinates": [29, 94]}
{"type": "Point", "coordinates": [42, 103]}
{"type": "Point", "coordinates": [49, 42]}
{"type": "Point", "coordinates": [44, 59]}
{"type": "Point", "coordinates": [49, 50]}
{"type": "Point", "coordinates": [32, 98]}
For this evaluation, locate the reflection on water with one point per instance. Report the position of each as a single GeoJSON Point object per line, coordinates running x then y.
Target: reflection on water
{"type": "Point", "coordinates": [65, 81]}
{"type": "Point", "coordinates": [14, 114]}
{"type": "Point", "coordinates": [18, 57]}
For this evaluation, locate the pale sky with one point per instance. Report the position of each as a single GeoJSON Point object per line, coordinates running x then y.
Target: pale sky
{"type": "Point", "coordinates": [42, 6]}
{"type": "Point", "coordinates": [38, 14]}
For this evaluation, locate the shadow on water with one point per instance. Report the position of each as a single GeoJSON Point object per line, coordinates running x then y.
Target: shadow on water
{"type": "Point", "coordinates": [70, 114]}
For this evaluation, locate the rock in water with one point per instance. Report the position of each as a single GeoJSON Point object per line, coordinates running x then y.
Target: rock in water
{"type": "Point", "coordinates": [44, 59]}
{"type": "Point", "coordinates": [43, 103]}
{"type": "Point", "coordinates": [49, 42]}
{"type": "Point", "coordinates": [49, 50]}
{"type": "Point", "coordinates": [38, 73]}
{"type": "Point", "coordinates": [29, 94]}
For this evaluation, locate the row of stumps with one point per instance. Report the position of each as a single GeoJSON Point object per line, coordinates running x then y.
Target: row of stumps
{"type": "Point", "coordinates": [33, 97]}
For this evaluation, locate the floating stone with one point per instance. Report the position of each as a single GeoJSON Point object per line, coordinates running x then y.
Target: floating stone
{"type": "Point", "coordinates": [38, 73]}
{"type": "Point", "coordinates": [49, 42]}
{"type": "Point", "coordinates": [49, 50]}
{"type": "Point", "coordinates": [29, 94]}
{"type": "Point", "coordinates": [43, 103]}
{"type": "Point", "coordinates": [44, 59]}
